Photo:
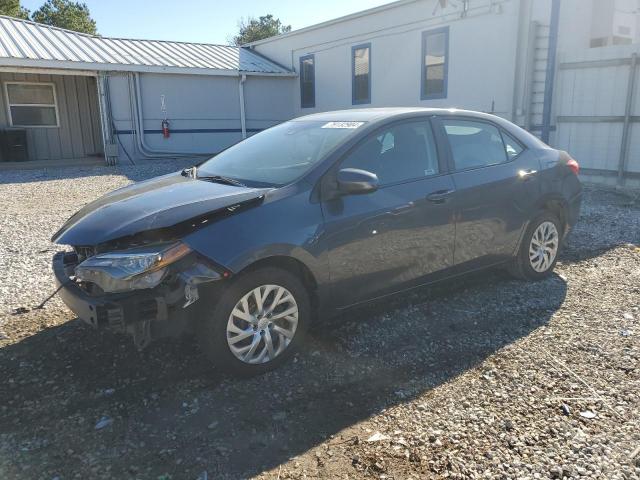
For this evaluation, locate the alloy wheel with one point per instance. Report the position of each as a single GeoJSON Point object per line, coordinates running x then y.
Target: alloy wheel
{"type": "Point", "coordinates": [543, 247]}
{"type": "Point", "coordinates": [262, 324]}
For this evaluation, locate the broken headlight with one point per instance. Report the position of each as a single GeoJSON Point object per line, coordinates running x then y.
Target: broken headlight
{"type": "Point", "coordinates": [134, 269]}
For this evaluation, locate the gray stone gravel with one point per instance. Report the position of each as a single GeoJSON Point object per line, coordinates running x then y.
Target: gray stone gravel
{"type": "Point", "coordinates": [35, 203]}
{"type": "Point", "coordinates": [484, 377]}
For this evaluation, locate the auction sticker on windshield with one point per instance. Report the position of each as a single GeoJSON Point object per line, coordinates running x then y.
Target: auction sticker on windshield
{"type": "Point", "coordinates": [349, 125]}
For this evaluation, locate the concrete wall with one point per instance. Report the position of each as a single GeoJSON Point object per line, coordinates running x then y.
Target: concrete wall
{"type": "Point", "coordinates": [203, 111]}
{"type": "Point", "coordinates": [78, 134]}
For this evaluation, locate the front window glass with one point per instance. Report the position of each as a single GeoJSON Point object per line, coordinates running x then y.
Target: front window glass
{"type": "Point", "coordinates": [400, 153]}
{"type": "Point", "coordinates": [281, 154]}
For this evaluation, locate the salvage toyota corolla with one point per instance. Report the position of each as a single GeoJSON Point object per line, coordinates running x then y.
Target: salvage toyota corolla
{"type": "Point", "coordinates": [313, 216]}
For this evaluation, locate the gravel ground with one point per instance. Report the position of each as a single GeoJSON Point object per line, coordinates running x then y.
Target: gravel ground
{"type": "Point", "coordinates": [482, 378]}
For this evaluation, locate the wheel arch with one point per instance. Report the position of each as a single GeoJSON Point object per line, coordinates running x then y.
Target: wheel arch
{"type": "Point", "coordinates": [310, 277]}
{"type": "Point", "coordinates": [288, 263]}
{"type": "Point", "coordinates": [558, 206]}
{"type": "Point", "coordinates": [554, 204]}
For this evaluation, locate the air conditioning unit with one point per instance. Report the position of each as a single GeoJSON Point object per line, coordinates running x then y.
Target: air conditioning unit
{"type": "Point", "coordinates": [13, 145]}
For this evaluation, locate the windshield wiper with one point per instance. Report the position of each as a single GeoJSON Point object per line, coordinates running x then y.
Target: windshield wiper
{"type": "Point", "coordinates": [221, 179]}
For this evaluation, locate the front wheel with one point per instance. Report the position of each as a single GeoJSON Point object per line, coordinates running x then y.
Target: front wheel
{"type": "Point", "coordinates": [257, 322]}
{"type": "Point", "coordinates": [539, 250]}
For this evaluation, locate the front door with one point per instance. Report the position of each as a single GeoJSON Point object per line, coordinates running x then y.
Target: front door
{"type": "Point", "coordinates": [497, 186]}
{"type": "Point", "coordinates": [383, 241]}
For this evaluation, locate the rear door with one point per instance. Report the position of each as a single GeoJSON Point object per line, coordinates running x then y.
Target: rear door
{"type": "Point", "coordinates": [380, 242]}
{"type": "Point", "coordinates": [497, 185]}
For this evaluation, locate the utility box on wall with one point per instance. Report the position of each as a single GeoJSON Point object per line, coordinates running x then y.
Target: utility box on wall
{"type": "Point", "coordinates": [13, 145]}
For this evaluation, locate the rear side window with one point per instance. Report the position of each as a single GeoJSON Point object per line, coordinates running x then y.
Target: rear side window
{"type": "Point", "coordinates": [512, 146]}
{"type": "Point", "coordinates": [476, 144]}
{"type": "Point", "coordinates": [397, 154]}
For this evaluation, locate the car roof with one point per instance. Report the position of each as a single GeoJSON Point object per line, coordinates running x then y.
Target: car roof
{"type": "Point", "coordinates": [377, 114]}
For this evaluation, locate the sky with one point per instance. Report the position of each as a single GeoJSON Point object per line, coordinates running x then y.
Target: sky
{"type": "Point", "coordinates": [207, 21]}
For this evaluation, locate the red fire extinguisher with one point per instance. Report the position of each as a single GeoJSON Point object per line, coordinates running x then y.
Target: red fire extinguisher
{"type": "Point", "coordinates": [165, 128]}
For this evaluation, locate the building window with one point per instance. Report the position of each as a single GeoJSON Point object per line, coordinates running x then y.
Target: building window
{"type": "Point", "coordinates": [435, 63]}
{"type": "Point", "coordinates": [307, 81]}
{"type": "Point", "coordinates": [31, 104]}
{"type": "Point", "coordinates": [361, 71]}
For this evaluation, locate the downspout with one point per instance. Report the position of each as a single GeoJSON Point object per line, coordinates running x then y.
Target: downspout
{"type": "Point", "coordinates": [520, 47]}
{"type": "Point", "coordinates": [551, 70]}
{"type": "Point", "coordinates": [105, 118]}
{"type": "Point", "coordinates": [243, 120]}
{"type": "Point", "coordinates": [144, 149]}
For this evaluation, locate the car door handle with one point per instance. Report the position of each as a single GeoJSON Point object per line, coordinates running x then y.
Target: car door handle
{"type": "Point", "coordinates": [440, 196]}
{"type": "Point", "coordinates": [526, 174]}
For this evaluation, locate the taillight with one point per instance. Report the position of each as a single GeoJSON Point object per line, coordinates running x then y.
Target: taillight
{"type": "Point", "coordinates": [574, 166]}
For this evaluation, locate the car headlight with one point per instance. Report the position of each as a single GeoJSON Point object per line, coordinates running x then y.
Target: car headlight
{"type": "Point", "coordinates": [134, 269]}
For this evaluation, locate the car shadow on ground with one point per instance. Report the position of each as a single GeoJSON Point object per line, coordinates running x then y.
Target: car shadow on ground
{"type": "Point", "coordinates": [174, 414]}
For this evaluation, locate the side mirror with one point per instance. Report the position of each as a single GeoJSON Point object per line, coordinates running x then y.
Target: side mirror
{"type": "Point", "coordinates": [353, 181]}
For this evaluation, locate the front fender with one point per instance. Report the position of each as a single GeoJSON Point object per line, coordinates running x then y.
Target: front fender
{"type": "Point", "coordinates": [288, 226]}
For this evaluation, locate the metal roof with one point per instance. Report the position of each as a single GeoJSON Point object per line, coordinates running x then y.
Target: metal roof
{"type": "Point", "coordinates": [29, 44]}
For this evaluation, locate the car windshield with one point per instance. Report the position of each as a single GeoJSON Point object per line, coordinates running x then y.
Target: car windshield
{"type": "Point", "coordinates": [279, 155]}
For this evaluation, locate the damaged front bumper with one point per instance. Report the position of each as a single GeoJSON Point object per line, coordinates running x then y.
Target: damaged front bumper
{"type": "Point", "coordinates": [166, 310]}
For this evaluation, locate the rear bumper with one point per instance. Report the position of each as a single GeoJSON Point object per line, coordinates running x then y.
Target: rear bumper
{"type": "Point", "coordinates": [573, 213]}
{"type": "Point", "coordinates": [143, 314]}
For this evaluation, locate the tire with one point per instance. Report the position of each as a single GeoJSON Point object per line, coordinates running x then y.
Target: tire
{"type": "Point", "coordinates": [225, 329]}
{"type": "Point", "coordinates": [528, 265]}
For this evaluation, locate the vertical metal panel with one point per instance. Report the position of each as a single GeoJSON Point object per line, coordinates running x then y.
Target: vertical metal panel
{"type": "Point", "coordinates": [4, 119]}
{"type": "Point", "coordinates": [88, 142]}
{"type": "Point", "coordinates": [626, 128]}
{"type": "Point", "coordinates": [94, 112]}
{"type": "Point", "coordinates": [74, 116]}
{"type": "Point", "coordinates": [551, 70]}
{"type": "Point", "coordinates": [53, 134]}
{"type": "Point", "coordinates": [633, 157]}
{"type": "Point", "coordinates": [64, 130]}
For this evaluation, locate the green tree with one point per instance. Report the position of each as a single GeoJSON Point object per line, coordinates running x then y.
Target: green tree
{"type": "Point", "coordinates": [66, 14]}
{"type": "Point", "coordinates": [12, 8]}
{"type": "Point", "coordinates": [252, 29]}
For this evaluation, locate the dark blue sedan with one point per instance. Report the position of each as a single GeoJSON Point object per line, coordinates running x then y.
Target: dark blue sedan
{"type": "Point", "coordinates": [311, 217]}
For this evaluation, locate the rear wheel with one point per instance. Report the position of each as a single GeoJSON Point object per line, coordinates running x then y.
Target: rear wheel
{"type": "Point", "coordinates": [539, 250]}
{"type": "Point", "coordinates": [257, 322]}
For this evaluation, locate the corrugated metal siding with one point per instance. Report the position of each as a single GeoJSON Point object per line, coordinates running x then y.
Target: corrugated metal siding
{"type": "Point", "coordinates": [20, 39]}
{"type": "Point", "coordinates": [590, 106]}
{"type": "Point", "coordinates": [79, 134]}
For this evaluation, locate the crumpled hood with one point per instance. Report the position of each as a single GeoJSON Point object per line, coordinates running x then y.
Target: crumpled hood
{"type": "Point", "coordinates": [153, 204]}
